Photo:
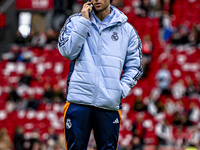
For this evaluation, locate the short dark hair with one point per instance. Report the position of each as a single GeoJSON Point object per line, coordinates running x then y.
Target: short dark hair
{"type": "Point", "coordinates": [111, 1]}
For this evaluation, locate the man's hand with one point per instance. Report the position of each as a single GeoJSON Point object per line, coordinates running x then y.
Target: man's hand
{"type": "Point", "coordinates": [86, 10]}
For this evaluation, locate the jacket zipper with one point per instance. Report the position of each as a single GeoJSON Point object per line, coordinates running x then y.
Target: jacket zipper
{"type": "Point", "coordinates": [98, 69]}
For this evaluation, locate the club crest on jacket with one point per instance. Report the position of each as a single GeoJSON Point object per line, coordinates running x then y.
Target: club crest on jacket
{"type": "Point", "coordinates": [114, 37]}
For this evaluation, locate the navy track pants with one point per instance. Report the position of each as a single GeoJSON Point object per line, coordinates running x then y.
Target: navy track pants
{"type": "Point", "coordinates": [79, 120]}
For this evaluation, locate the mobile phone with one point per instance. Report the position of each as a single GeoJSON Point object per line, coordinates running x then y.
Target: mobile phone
{"type": "Point", "coordinates": [90, 4]}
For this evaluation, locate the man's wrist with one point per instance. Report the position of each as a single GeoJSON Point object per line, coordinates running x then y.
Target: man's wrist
{"type": "Point", "coordinates": [125, 89]}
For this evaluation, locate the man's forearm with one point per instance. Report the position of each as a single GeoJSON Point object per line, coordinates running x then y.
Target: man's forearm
{"type": "Point", "coordinates": [74, 38]}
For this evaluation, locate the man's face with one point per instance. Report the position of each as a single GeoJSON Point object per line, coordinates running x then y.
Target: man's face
{"type": "Point", "coordinates": [100, 5]}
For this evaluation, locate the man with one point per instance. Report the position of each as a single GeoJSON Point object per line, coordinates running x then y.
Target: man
{"type": "Point", "coordinates": [100, 43]}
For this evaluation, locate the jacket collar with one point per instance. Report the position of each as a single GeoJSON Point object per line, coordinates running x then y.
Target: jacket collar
{"type": "Point", "coordinates": [115, 17]}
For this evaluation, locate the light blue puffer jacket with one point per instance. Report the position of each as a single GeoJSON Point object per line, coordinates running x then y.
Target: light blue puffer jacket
{"type": "Point", "coordinates": [101, 50]}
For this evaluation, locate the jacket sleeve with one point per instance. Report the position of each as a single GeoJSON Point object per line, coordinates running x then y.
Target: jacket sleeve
{"type": "Point", "coordinates": [132, 69]}
{"type": "Point", "coordinates": [72, 37]}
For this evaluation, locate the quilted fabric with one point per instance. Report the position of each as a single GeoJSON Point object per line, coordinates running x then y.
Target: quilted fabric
{"type": "Point", "coordinates": [100, 51]}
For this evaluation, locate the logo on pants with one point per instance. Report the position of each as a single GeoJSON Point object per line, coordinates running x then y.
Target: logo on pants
{"type": "Point", "coordinates": [116, 121]}
{"type": "Point", "coordinates": [68, 123]}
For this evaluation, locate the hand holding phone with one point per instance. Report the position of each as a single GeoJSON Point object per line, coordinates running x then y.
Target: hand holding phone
{"type": "Point", "coordinates": [86, 10]}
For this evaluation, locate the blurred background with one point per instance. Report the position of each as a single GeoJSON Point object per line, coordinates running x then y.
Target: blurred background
{"type": "Point", "coordinates": [162, 112]}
